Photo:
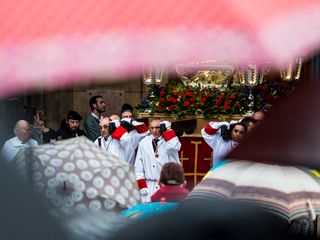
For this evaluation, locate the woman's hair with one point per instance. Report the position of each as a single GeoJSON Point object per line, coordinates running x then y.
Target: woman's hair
{"type": "Point", "coordinates": [248, 120]}
{"type": "Point", "coordinates": [172, 174]}
{"type": "Point", "coordinates": [227, 136]}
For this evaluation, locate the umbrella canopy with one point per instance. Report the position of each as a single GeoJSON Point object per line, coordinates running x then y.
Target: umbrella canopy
{"type": "Point", "coordinates": [146, 210]}
{"type": "Point", "coordinates": [77, 173]}
{"type": "Point", "coordinates": [288, 191]}
{"type": "Point", "coordinates": [22, 214]}
{"type": "Point", "coordinates": [290, 132]}
{"type": "Point", "coordinates": [57, 42]}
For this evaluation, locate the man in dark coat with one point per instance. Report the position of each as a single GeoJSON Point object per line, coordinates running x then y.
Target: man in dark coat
{"type": "Point", "coordinates": [91, 124]}
{"type": "Point", "coordinates": [70, 127]}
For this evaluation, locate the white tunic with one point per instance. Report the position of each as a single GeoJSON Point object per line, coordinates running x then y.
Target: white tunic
{"type": "Point", "coordinates": [148, 166]}
{"type": "Point", "coordinates": [13, 145]}
{"type": "Point", "coordinates": [220, 146]}
{"type": "Point", "coordinates": [115, 146]}
{"type": "Point", "coordinates": [130, 151]}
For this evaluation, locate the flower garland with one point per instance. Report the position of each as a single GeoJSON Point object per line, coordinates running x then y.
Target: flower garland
{"type": "Point", "coordinates": [182, 100]}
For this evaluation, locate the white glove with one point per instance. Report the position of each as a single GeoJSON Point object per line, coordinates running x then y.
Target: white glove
{"type": "Point", "coordinates": [136, 123]}
{"type": "Point", "coordinates": [220, 124]}
{"type": "Point", "coordinates": [167, 123]}
{"type": "Point", "coordinates": [128, 120]}
{"type": "Point", "coordinates": [144, 191]}
{"type": "Point", "coordinates": [116, 122]}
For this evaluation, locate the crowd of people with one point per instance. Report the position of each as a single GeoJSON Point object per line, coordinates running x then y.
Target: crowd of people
{"type": "Point", "coordinates": [147, 148]}
{"type": "Point", "coordinates": [152, 150]}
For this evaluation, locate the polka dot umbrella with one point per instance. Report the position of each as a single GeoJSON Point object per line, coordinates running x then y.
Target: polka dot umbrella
{"type": "Point", "coordinates": [76, 173]}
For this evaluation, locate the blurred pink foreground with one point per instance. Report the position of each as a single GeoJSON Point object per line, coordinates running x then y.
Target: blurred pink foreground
{"type": "Point", "coordinates": [53, 43]}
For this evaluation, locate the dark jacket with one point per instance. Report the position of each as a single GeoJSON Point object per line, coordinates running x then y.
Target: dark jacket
{"type": "Point", "coordinates": [91, 128]}
{"type": "Point", "coordinates": [65, 133]}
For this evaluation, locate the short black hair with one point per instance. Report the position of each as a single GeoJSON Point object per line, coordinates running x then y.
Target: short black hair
{"type": "Point", "coordinates": [126, 108]}
{"type": "Point", "coordinates": [74, 116]}
{"type": "Point", "coordinates": [93, 100]}
{"type": "Point", "coordinates": [248, 120]}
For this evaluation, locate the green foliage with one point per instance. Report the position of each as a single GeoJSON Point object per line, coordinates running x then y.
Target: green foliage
{"type": "Point", "coordinates": [182, 100]}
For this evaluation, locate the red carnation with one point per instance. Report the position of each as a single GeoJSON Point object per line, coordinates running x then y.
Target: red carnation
{"type": "Point", "coordinates": [162, 99]}
{"type": "Point", "coordinates": [162, 93]}
{"type": "Point", "coordinates": [238, 105]}
{"type": "Point", "coordinates": [171, 107]}
{"type": "Point", "coordinates": [186, 104]}
{"type": "Point", "coordinates": [226, 107]}
{"type": "Point", "coordinates": [174, 100]}
{"type": "Point", "coordinates": [171, 87]}
{"type": "Point", "coordinates": [232, 97]}
{"type": "Point", "coordinates": [182, 95]}
{"type": "Point", "coordinates": [222, 95]}
{"type": "Point", "coordinates": [175, 93]}
{"type": "Point", "coordinates": [209, 95]}
{"type": "Point", "coordinates": [196, 105]}
{"type": "Point", "coordinates": [184, 91]}
{"type": "Point", "coordinates": [203, 100]}
{"type": "Point", "coordinates": [218, 101]}
{"type": "Point", "coordinates": [190, 89]}
{"type": "Point", "coordinates": [190, 94]}
{"type": "Point", "coordinates": [159, 108]}
{"type": "Point", "coordinates": [227, 102]}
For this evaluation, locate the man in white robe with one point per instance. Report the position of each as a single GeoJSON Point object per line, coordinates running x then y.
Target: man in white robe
{"type": "Point", "coordinates": [154, 151]}
{"type": "Point", "coordinates": [116, 141]}
{"type": "Point", "coordinates": [211, 133]}
{"type": "Point", "coordinates": [138, 131]}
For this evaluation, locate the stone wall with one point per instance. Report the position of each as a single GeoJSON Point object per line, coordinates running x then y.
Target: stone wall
{"type": "Point", "coordinates": [58, 102]}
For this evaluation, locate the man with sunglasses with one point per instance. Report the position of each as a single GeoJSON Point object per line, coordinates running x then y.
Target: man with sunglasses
{"type": "Point", "coordinates": [154, 150]}
{"type": "Point", "coordinates": [114, 138]}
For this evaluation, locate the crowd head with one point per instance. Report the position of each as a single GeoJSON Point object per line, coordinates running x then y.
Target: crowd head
{"type": "Point", "coordinates": [22, 130]}
{"type": "Point", "coordinates": [154, 127]}
{"type": "Point", "coordinates": [97, 104]}
{"type": "Point", "coordinates": [73, 120]}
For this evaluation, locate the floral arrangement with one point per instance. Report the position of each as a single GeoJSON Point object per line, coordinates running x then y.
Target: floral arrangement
{"type": "Point", "coordinates": [182, 100]}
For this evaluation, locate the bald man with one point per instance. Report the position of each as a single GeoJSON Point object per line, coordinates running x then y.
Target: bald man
{"type": "Point", "coordinates": [259, 116]}
{"type": "Point", "coordinates": [116, 141]}
{"type": "Point", "coordinates": [11, 147]}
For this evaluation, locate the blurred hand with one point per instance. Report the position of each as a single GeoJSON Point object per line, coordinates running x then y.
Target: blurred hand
{"type": "Point", "coordinates": [220, 124]}
{"type": "Point", "coordinates": [128, 120]}
{"type": "Point", "coordinates": [116, 123]}
{"type": "Point", "coordinates": [136, 123]}
{"type": "Point", "coordinates": [167, 124]}
{"type": "Point", "coordinates": [144, 191]}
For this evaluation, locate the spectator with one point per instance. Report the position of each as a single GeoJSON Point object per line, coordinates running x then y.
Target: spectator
{"type": "Point", "coordinates": [22, 131]}
{"type": "Point", "coordinates": [172, 184]}
{"type": "Point", "coordinates": [48, 134]}
{"type": "Point", "coordinates": [91, 124]}
{"type": "Point", "coordinates": [259, 116]}
{"type": "Point", "coordinates": [71, 127]}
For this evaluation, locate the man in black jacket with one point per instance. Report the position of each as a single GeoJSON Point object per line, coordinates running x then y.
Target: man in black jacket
{"type": "Point", "coordinates": [70, 127]}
